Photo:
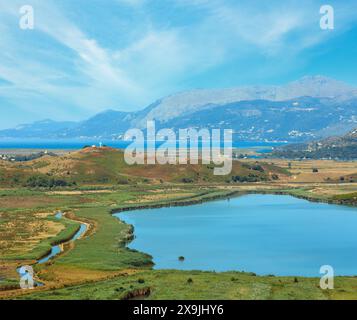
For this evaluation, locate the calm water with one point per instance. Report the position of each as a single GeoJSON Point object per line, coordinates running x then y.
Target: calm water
{"type": "Point", "coordinates": [74, 144]}
{"type": "Point", "coordinates": [265, 234]}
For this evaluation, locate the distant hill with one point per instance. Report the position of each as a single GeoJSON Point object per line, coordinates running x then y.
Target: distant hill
{"type": "Point", "coordinates": [344, 147]}
{"type": "Point", "coordinates": [310, 108]}
{"type": "Point", "coordinates": [43, 128]}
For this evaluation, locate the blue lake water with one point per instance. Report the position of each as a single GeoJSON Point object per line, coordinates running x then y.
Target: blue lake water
{"type": "Point", "coordinates": [74, 144]}
{"type": "Point", "coordinates": [265, 234]}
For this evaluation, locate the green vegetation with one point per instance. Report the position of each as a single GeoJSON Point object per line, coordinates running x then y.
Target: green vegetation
{"type": "Point", "coordinates": [347, 199]}
{"type": "Point", "coordinates": [106, 166]}
{"type": "Point", "coordinates": [173, 284]}
{"type": "Point", "coordinates": [91, 185]}
{"type": "Point", "coordinates": [28, 224]}
{"type": "Point", "coordinates": [105, 249]}
{"type": "Point", "coordinates": [42, 181]}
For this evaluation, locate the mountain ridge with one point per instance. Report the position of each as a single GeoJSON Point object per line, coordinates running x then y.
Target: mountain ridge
{"type": "Point", "coordinates": [254, 112]}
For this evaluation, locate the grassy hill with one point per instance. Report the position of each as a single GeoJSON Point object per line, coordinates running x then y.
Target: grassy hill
{"type": "Point", "coordinates": [104, 166]}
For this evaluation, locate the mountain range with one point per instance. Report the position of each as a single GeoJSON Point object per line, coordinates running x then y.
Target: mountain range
{"type": "Point", "coordinates": [311, 108]}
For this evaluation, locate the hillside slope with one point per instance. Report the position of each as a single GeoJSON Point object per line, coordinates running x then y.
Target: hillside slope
{"type": "Point", "coordinates": [343, 147]}
{"type": "Point", "coordinates": [102, 166]}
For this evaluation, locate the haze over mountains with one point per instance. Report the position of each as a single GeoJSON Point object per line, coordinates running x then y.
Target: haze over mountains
{"type": "Point", "coordinates": [310, 108]}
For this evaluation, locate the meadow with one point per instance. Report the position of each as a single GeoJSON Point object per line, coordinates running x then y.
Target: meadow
{"type": "Point", "coordinates": [100, 266]}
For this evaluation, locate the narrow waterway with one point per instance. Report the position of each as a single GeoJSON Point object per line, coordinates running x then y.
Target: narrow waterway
{"type": "Point", "coordinates": [57, 249]}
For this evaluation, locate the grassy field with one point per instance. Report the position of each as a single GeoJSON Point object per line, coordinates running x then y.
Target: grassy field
{"type": "Point", "coordinates": [173, 284]}
{"type": "Point", "coordinates": [100, 266]}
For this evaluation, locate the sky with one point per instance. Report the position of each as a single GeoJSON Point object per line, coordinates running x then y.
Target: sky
{"type": "Point", "coordinates": [86, 56]}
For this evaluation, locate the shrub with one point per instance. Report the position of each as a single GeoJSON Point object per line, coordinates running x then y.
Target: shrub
{"type": "Point", "coordinates": [249, 178]}
{"type": "Point", "coordinates": [123, 181]}
{"type": "Point", "coordinates": [46, 182]}
{"type": "Point", "coordinates": [257, 167]}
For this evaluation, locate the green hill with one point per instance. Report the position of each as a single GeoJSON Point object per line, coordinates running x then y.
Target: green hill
{"type": "Point", "coordinates": [106, 166]}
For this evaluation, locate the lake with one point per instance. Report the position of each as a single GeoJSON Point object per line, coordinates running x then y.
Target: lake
{"type": "Point", "coordinates": [265, 234]}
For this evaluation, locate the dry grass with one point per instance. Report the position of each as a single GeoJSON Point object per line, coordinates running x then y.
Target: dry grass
{"type": "Point", "coordinates": [25, 202]}
{"type": "Point", "coordinates": [159, 197]}
{"type": "Point", "coordinates": [302, 170]}
{"type": "Point", "coordinates": [22, 232]}
{"type": "Point", "coordinates": [76, 193]}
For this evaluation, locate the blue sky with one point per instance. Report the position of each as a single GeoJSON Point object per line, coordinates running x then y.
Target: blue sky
{"type": "Point", "coordinates": [86, 56]}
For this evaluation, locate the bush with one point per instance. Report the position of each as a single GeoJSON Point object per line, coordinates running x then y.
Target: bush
{"type": "Point", "coordinates": [257, 167]}
{"type": "Point", "coordinates": [46, 182]}
{"type": "Point", "coordinates": [249, 178]}
{"type": "Point", "coordinates": [123, 181]}
{"type": "Point", "coordinates": [189, 280]}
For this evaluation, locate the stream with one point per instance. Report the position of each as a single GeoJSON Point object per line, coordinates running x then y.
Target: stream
{"type": "Point", "coordinates": [57, 249]}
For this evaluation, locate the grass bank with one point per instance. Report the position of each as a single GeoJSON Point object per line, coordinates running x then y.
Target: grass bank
{"type": "Point", "coordinates": [173, 285]}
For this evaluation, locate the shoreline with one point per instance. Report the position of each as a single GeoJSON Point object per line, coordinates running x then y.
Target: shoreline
{"type": "Point", "coordinates": [131, 236]}
{"type": "Point", "coordinates": [204, 197]}
{"type": "Point", "coordinates": [185, 202]}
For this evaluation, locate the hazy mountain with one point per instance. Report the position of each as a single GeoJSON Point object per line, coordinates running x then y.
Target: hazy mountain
{"type": "Point", "coordinates": [185, 103]}
{"type": "Point", "coordinates": [299, 119]}
{"type": "Point", "coordinates": [106, 124]}
{"type": "Point", "coordinates": [338, 147]}
{"type": "Point", "coordinates": [309, 108]}
{"type": "Point", "coordinates": [41, 128]}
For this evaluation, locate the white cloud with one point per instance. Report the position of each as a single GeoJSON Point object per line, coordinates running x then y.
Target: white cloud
{"type": "Point", "coordinates": [78, 74]}
{"type": "Point", "coordinates": [101, 81]}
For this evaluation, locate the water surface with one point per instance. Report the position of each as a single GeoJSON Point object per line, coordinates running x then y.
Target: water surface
{"type": "Point", "coordinates": [265, 234]}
